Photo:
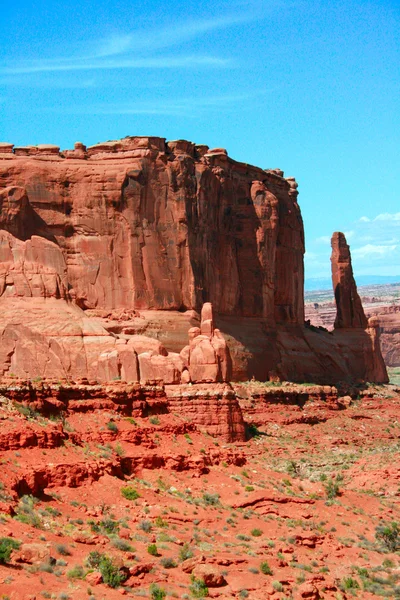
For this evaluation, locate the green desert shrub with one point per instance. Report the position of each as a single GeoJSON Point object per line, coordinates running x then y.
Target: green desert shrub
{"type": "Point", "coordinates": [389, 535]}
{"type": "Point", "coordinates": [168, 562]}
{"type": "Point", "coordinates": [332, 488]}
{"type": "Point", "coordinates": [111, 574]}
{"type": "Point", "coordinates": [198, 588]}
{"type": "Point", "coordinates": [256, 532]}
{"type": "Point", "coordinates": [111, 426]}
{"type": "Point", "coordinates": [26, 512]}
{"type": "Point", "coordinates": [210, 499]}
{"type": "Point", "coordinates": [93, 560]}
{"type": "Point", "coordinates": [76, 572]}
{"type": "Point", "coordinates": [63, 550]}
{"type": "Point", "coordinates": [152, 549]}
{"type": "Point", "coordinates": [130, 493]}
{"type": "Point", "coordinates": [145, 526]}
{"type": "Point", "coordinates": [156, 592]}
{"type": "Point", "coordinates": [265, 568]}
{"type": "Point", "coordinates": [7, 545]}
{"type": "Point", "coordinates": [185, 552]}
{"type": "Point", "coordinates": [121, 544]}
{"type": "Point", "coordinates": [349, 584]}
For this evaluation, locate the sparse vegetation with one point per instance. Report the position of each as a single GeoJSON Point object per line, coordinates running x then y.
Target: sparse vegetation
{"type": "Point", "coordinates": [332, 487]}
{"type": "Point", "coordinates": [198, 588]}
{"type": "Point", "coordinates": [211, 499]}
{"type": "Point", "coordinates": [265, 568]}
{"type": "Point", "coordinates": [256, 532]}
{"type": "Point", "coordinates": [63, 550]}
{"type": "Point", "coordinates": [130, 493]}
{"type": "Point", "coordinates": [77, 572]}
{"type": "Point", "coordinates": [349, 584]}
{"type": "Point", "coordinates": [168, 562]}
{"type": "Point", "coordinates": [26, 512]}
{"type": "Point", "coordinates": [7, 545]}
{"type": "Point", "coordinates": [389, 536]}
{"type": "Point", "coordinates": [156, 592]}
{"type": "Point", "coordinates": [145, 526]}
{"type": "Point", "coordinates": [111, 574]}
{"type": "Point", "coordinates": [111, 426]}
{"type": "Point", "coordinates": [152, 549]}
{"type": "Point", "coordinates": [185, 552]}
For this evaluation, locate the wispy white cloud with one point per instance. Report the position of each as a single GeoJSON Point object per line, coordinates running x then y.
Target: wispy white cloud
{"type": "Point", "coordinates": [156, 62]}
{"type": "Point", "coordinates": [370, 250]}
{"type": "Point", "coordinates": [323, 239]}
{"type": "Point", "coordinates": [382, 217]}
{"type": "Point", "coordinates": [388, 217]}
{"type": "Point", "coordinates": [114, 44]}
{"type": "Point", "coordinates": [152, 40]}
{"type": "Point", "coordinates": [375, 246]}
{"type": "Point", "coordinates": [186, 106]}
{"type": "Point", "coordinates": [24, 80]}
{"type": "Point", "coordinates": [136, 50]}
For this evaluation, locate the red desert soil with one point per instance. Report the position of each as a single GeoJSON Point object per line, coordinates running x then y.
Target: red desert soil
{"type": "Point", "coordinates": [296, 511]}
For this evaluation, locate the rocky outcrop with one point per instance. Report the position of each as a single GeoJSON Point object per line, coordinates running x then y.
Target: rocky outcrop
{"type": "Point", "coordinates": [216, 409]}
{"type": "Point", "coordinates": [101, 246]}
{"type": "Point", "coordinates": [389, 327]}
{"type": "Point", "coordinates": [375, 364]}
{"type": "Point", "coordinates": [207, 357]}
{"type": "Point", "coordinates": [350, 312]}
{"type": "Point", "coordinates": [212, 407]}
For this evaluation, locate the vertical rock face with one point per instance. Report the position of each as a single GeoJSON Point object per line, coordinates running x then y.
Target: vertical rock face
{"type": "Point", "coordinates": [350, 312]}
{"type": "Point", "coordinates": [375, 363]}
{"type": "Point", "coordinates": [217, 410]}
{"type": "Point", "coordinates": [141, 223]}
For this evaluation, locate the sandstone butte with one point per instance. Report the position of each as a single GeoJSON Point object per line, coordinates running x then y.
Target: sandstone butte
{"type": "Point", "coordinates": [107, 255]}
{"type": "Point", "coordinates": [143, 285]}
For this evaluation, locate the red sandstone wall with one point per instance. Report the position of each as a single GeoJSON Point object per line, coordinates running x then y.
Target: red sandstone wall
{"type": "Point", "coordinates": [144, 224]}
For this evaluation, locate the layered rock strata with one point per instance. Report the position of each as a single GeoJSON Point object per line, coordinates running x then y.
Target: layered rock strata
{"type": "Point", "coordinates": [152, 225]}
{"type": "Point", "coordinates": [128, 238]}
{"type": "Point", "coordinates": [214, 409]}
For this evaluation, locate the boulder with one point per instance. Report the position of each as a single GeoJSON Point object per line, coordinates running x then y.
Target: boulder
{"type": "Point", "coordinates": [211, 576]}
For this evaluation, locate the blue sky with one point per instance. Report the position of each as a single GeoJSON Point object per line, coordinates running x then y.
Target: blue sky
{"type": "Point", "coordinates": [311, 87]}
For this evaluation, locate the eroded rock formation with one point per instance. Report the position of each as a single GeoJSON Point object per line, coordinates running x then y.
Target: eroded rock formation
{"type": "Point", "coordinates": [350, 312]}
{"type": "Point", "coordinates": [145, 224]}
{"type": "Point", "coordinates": [131, 238]}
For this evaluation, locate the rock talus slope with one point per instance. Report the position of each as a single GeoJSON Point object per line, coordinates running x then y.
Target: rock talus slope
{"type": "Point", "coordinates": [90, 238]}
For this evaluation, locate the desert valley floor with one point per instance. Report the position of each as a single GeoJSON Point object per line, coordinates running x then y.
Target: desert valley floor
{"type": "Point", "coordinates": [154, 505]}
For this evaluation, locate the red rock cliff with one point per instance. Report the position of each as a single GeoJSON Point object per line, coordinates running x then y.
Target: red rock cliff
{"type": "Point", "coordinates": [140, 233]}
{"type": "Point", "coordinates": [141, 223]}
